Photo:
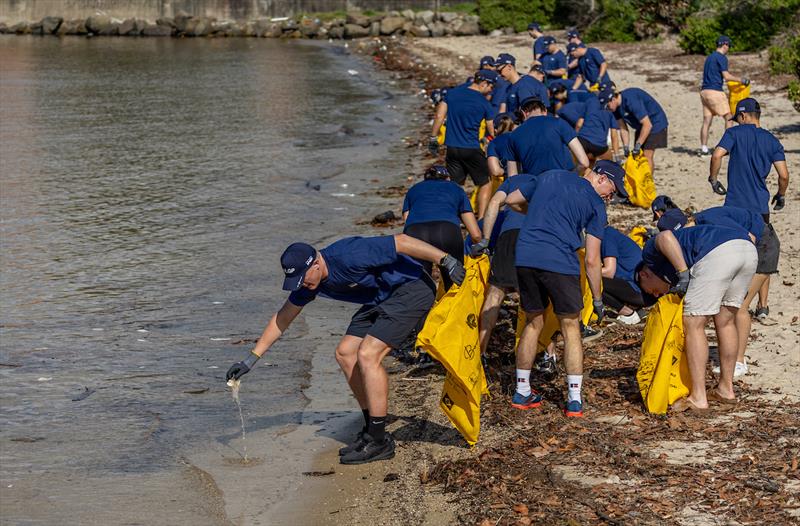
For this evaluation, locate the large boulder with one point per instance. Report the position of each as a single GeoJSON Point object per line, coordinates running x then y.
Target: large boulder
{"type": "Point", "coordinates": [99, 24]}
{"type": "Point", "coordinates": [309, 27]}
{"type": "Point", "coordinates": [289, 25]}
{"type": "Point", "coordinates": [390, 24]}
{"type": "Point", "coordinates": [375, 29]}
{"type": "Point", "coordinates": [156, 30]}
{"type": "Point", "coordinates": [447, 17]}
{"type": "Point", "coordinates": [3, 28]}
{"type": "Point", "coordinates": [466, 28]}
{"type": "Point", "coordinates": [50, 24]}
{"type": "Point", "coordinates": [72, 27]}
{"type": "Point", "coordinates": [358, 19]}
{"type": "Point", "coordinates": [35, 28]}
{"type": "Point", "coordinates": [20, 28]}
{"type": "Point", "coordinates": [425, 17]}
{"type": "Point", "coordinates": [181, 22]}
{"type": "Point", "coordinates": [355, 31]}
{"type": "Point", "coordinates": [336, 32]}
{"type": "Point", "coordinates": [408, 14]}
{"type": "Point", "coordinates": [128, 27]}
{"type": "Point", "coordinates": [437, 29]}
{"type": "Point", "coordinates": [420, 31]}
{"type": "Point", "coordinates": [165, 21]}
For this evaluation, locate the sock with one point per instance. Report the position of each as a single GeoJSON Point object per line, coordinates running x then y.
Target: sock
{"type": "Point", "coordinates": [574, 382]}
{"type": "Point", "coordinates": [523, 381]}
{"type": "Point", "coordinates": [366, 418]}
{"type": "Point", "coordinates": [704, 148]}
{"type": "Point", "coordinates": [377, 428]}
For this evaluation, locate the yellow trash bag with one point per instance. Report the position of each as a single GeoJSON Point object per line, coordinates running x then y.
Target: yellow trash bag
{"type": "Point", "coordinates": [639, 181]}
{"type": "Point", "coordinates": [663, 373]}
{"type": "Point", "coordinates": [450, 335]}
{"type": "Point", "coordinates": [473, 198]}
{"type": "Point", "coordinates": [551, 324]}
{"type": "Point", "coordinates": [594, 88]}
{"type": "Point", "coordinates": [737, 92]}
{"type": "Point", "coordinates": [443, 132]}
{"type": "Point", "coordinates": [638, 234]}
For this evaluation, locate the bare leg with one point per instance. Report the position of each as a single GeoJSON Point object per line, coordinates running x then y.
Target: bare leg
{"type": "Point", "coordinates": [650, 156]}
{"type": "Point", "coordinates": [529, 339]}
{"type": "Point", "coordinates": [347, 357]}
{"type": "Point", "coordinates": [697, 356]}
{"type": "Point", "coordinates": [728, 121]}
{"type": "Point", "coordinates": [573, 347]}
{"type": "Point", "coordinates": [725, 325]}
{"type": "Point", "coordinates": [743, 321]}
{"type": "Point", "coordinates": [763, 293]}
{"type": "Point", "coordinates": [608, 155]}
{"type": "Point", "coordinates": [484, 196]}
{"type": "Point", "coordinates": [704, 129]}
{"type": "Point", "coordinates": [489, 313]}
{"type": "Point", "coordinates": [375, 380]}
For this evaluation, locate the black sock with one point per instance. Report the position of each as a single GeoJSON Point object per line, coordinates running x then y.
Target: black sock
{"type": "Point", "coordinates": [366, 418]}
{"type": "Point", "coordinates": [377, 428]}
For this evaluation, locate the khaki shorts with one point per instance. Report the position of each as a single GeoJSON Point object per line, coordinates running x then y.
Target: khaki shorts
{"type": "Point", "coordinates": [714, 103]}
{"type": "Point", "coordinates": [721, 277]}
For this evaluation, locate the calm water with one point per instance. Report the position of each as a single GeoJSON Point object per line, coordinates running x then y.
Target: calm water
{"type": "Point", "coordinates": [148, 187]}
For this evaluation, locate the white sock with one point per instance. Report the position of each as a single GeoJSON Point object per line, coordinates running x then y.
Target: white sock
{"type": "Point", "coordinates": [574, 382]}
{"type": "Point", "coordinates": [523, 381]}
{"type": "Point", "coordinates": [704, 148]}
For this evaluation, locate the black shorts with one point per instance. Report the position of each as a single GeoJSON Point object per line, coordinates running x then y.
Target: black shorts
{"type": "Point", "coordinates": [592, 149]}
{"type": "Point", "coordinates": [537, 288]}
{"type": "Point", "coordinates": [444, 235]}
{"type": "Point", "coordinates": [655, 140]}
{"type": "Point", "coordinates": [769, 251]}
{"type": "Point", "coordinates": [467, 161]}
{"type": "Point", "coordinates": [393, 320]}
{"type": "Point", "coordinates": [502, 272]}
{"type": "Point", "coordinates": [618, 292]}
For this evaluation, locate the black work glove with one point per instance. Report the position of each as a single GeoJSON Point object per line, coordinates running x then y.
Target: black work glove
{"type": "Point", "coordinates": [454, 269]}
{"type": "Point", "coordinates": [717, 187]}
{"type": "Point", "coordinates": [637, 149]}
{"type": "Point", "coordinates": [433, 145]}
{"type": "Point", "coordinates": [481, 247]}
{"type": "Point", "coordinates": [745, 81]}
{"type": "Point", "coordinates": [599, 309]}
{"type": "Point", "coordinates": [240, 369]}
{"type": "Point", "coordinates": [779, 201]}
{"type": "Point", "coordinates": [682, 285]}
{"type": "Point", "coordinates": [626, 151]}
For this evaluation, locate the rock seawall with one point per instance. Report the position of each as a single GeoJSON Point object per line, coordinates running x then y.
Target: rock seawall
{"type": "Point", "coordinates": [419, 24]}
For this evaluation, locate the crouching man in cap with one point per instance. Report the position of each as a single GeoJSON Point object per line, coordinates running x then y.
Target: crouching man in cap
{"type": "Point", "coordinates": [711, 266]}
{"type": "Point", "coordinates": [395, 293]}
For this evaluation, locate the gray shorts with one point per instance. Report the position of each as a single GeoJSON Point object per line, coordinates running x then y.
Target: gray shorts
{"type": "Point", "coordinates": [721, 277]}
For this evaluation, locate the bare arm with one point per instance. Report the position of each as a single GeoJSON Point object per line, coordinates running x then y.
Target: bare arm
{"type": "Point", "coordinates": [468, 218]}
{"type": "Point", "coordinates": [517, 202]}
{"type": "Point", "coordinates": [438, 120]}
{"type": "Point", "coordinates": [492, 210]}
{"type": "Point", "coordinates": [644, 132]}
{"type": "Point", "coordinates": [494, 167]}
{"type": "Point", "coordinates": [594, 266]}
{"type": "Point", "coordinates": [405, 216]}
{"type": "Point", "coordinates": [716, 162]}
{"type": "Point", "coordinates": [783, 176]}
{"type": "Point", "coordinates": [615, 142]}
{"type": "Point", "coordinates": [730, 78]}
{"type": "Point", "coordinates": [511, 168]}
{"type": "Point", "coordinates": [578, 81]}
{"type": "Point", "coordinates": [416, 248]}
{"type": "Point", "coordinates": [623, 132]}
{"type": "Point", "coordinates": [489, 127]}
{"type": "Point", "coordinates": [502, 108]}
{"type": "Point", "coordinates": [277, 325]}
{"type": "Point", "coordinates": [603, 69]}
{"type": "Point", "coordinates": [579, 124]}
{"type": "Point", "coordinates": [609, 267]}
{"type": "Point", "coordinates": [577, 150]}
{"type": "Point", "coordinates": [668, 245]}
{"type": "Point", "coordinates": [557, 73]}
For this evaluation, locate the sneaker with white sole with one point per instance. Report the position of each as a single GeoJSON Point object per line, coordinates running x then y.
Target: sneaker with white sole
{"type": "Point", "coordinates": [631, 319]}
{"type": "Point", "coordinates": [740, 369]}
{"type": "Point", "coordinates": [761, 313]}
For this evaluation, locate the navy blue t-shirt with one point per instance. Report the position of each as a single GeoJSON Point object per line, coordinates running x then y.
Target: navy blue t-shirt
{"type": "Point", "coordinates": [562, 205]}
{"type": "Point", "coordinates": [733, 217]}
{"type": "Point", "coordinates": [553, 61]}
{"type": "Point", "coordinates": [636, 105]}
{"type": "Point", "coordinates": [466, 108]}
{"type": "Point", "coordinates": [579, 95]}
{"type": "Point", "coordinates": [499, 148]}
{"type": "Point", "coordinates": [499, 94]}
{"type": "Point", "coordinates": [363, 270]}
{"type": "Point", "coordinates": [513, 219]}
{"type": "Point", "coordinates": [525, 87]}
{"type": "Point", "coordinates": [435, 200]}
{"type": "Point", "coordinates": [540, 144]}
{"type": "Point", "coordinates": [695, 242]}
{"type": "Point", "coordinates": [752, 151]}
{"type": "Point", "coordinates": [625, 250]}
{"type": "Point", "coordinates": [596, 123]}
{"type": "Point", "coordinates": [538, 47]}
{"type": "Point", "coordinates": [715, 64]}
{"type": "Point", "coordinates": [589, 67]}
{"type": "Point", "coordinates": [572, 112]}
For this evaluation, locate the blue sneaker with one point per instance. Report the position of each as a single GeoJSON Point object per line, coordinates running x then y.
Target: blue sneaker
{"type": "Point", "coordinates": [574, 409]}
{"type": "Point", "coordinates": [526, 402]}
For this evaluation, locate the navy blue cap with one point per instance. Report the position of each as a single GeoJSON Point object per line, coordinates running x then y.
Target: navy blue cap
{"type": "Point", "coordinates": [536, 67]}
{"type": "Point", "coordinates": [661, 203]}
{"type": "Point", "coordinates": [505, 58]}
{"type": "Point", "coordinates": [547, 40]}
{"type": "Point", "coordinates": [573, 46]}
{"type": "Point", "coordinates": [486, 74]}
{"type": "Point", "coordinates": [748, 105]}
{"type": "Point", "coordinates": [573, 33]}
{"type": "Point", "coordinates": [487, 61]}
{"type": "Point", "coordinates": [605, 95]}
{"type": "Point", "coordinates": [296, 260]}
{"type": "Point", "coordinates": [673, 219]}
{"type": "Point", "coordinates": [534, 25]}
{"type": "Point", "coordinates": [614, 172]}
{"type": "Point", "coordinates": [722, 40]}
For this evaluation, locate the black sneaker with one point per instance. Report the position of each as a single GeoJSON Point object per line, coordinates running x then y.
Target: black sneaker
{"type": "Point", "coordinates": [355, 445]}
{"type": "Point", "coordinates": [588, 334]}
{"type": "Point", "coordinates": [762, 313]}
{"type": "Point", "coordinates": [546, 365]}
{"type": "Point", "coordinates": [370, 451]}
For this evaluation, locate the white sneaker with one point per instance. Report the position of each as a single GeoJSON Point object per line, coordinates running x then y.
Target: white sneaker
{"type": "Point", "coordinates": [631, 319]}
{"type": "Point", "coordinates": [739, 370]}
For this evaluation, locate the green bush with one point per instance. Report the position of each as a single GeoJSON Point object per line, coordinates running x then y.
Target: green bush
{"type": "Point", "coordinates": [785, 59]}
{"type": "Point", "coordinates": [794, 94]}
{"type": "Point", "coordinates": [615, 23]}
{"type": "Point", "coordinates": [700, 36]}
{"type": "Point", "coordinates": [469, 8]}
{"type": "Point", "coordinates": [497, 14]}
